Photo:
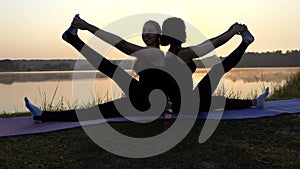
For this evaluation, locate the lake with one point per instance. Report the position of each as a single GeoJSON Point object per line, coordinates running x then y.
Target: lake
{"type": "Point", "coordinates": [57, 87]}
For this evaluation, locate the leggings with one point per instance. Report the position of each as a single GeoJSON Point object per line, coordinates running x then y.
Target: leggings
{"type": "Point", "coordinates": [211, 80]}
{"type": "Point", "coordinates": [108, 110]}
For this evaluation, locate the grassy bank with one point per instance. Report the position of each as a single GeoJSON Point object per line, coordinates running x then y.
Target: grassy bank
{"type": "Point", "coordinates": [255, 143]}
{"type": "Point", "coordinates": [290, 90]}
{"type": "Point", "coordinates": [261, 143]}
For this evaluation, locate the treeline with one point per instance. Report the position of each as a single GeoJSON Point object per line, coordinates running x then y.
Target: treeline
{"type": "Point", "coordinates": [8, 65]}
{"type": "Point", "coordinates": [252, 59]}
{"type": "Point", "coordinates": [264, 59]}
{"type": "Point", "coordinates": [42, 65]}
{"type": "Point", "coordinates": [271, 59]}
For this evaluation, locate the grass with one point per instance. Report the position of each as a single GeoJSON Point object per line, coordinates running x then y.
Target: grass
{"type": "Point", "coordinates": [48, 103]}
{"type": "Point", "coordinates": [290, 90]}
{"type": "Point", "coordinates": [253, 143]}
{"type": "Point", "coordinates": [261, 143]}
{"type": "Point", "coordinates": [15, 114]}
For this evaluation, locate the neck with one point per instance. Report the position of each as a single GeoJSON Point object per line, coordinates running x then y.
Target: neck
{"type": "Point", "coordinates": [174, 47]}
{"type": "Point", "coordinates": [156, 45]}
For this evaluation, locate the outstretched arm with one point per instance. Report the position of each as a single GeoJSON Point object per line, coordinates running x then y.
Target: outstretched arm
{"type": "Point", "coordinates": [114, 40]}
{"type": "Point", "coordinates": [207, 46]}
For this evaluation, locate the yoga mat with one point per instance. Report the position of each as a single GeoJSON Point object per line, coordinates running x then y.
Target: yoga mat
{"type": "Point", "coordinates": [24, 125]}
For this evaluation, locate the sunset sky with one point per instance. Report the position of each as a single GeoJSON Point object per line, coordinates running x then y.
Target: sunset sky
{"type": "Point", "coordinates": [31, 29]}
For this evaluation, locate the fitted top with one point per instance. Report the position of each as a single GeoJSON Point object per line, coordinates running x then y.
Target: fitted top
{"type": "Point", "coordinates": [192, 66]}
{"type": "Point", "coordinates": [149, 58]}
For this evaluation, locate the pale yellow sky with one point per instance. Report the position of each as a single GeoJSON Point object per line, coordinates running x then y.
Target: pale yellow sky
{"type": "Point", "coordinates": [33, 28]}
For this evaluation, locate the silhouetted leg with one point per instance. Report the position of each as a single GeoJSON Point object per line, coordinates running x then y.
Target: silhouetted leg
{"type": "Point", "coordinates": [234, 58]}
{"type": "Point", "coordinates": [220, 102]}
{"type": "Point", "coordinates": [233, 104]}
{"type": "Point", "coordinates": [211, 80]}
{"type": "Point", "coordinates": [95, 59]}
{"type": "Point", "coordinates": [108, 110]}
{"type": "Point", "coordinates": [128, 84]}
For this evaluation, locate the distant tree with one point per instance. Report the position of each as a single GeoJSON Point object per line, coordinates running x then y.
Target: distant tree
{"type": "Point", "coordinates": [47, 66]}
{"type": "Point", "coordinates": [64, 66]}
{"type": "Point", "coordinates": [7, 65]}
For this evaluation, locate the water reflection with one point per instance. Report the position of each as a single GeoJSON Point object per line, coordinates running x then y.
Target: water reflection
{"type": "Point", "coordinates": [40, 86]}
{"type": "Point", "coordinates": [256, 74]}
{"type": "Point", "coordinates": [265, 74]}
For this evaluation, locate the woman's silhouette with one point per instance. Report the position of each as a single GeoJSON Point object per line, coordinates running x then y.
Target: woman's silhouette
{"type": "Point", "coordinates": [147, 57]}
{"type": "Point", "coordinates": [173, 34]}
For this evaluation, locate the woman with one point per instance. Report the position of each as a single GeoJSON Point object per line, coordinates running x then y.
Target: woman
{"type": "Point", "coordinates": [152, 60]}
{"type": "Point", "coordinates": [175, 38]}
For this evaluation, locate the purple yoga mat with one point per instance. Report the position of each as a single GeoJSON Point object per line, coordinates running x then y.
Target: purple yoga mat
{"type": "Point", "coordinates": [25, 125]}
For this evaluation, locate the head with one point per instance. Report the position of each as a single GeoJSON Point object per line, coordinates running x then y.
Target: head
{"type": "Point", "coordinates": [151, 33]}
{"type": "Point", "coordinates": [173, 31]}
